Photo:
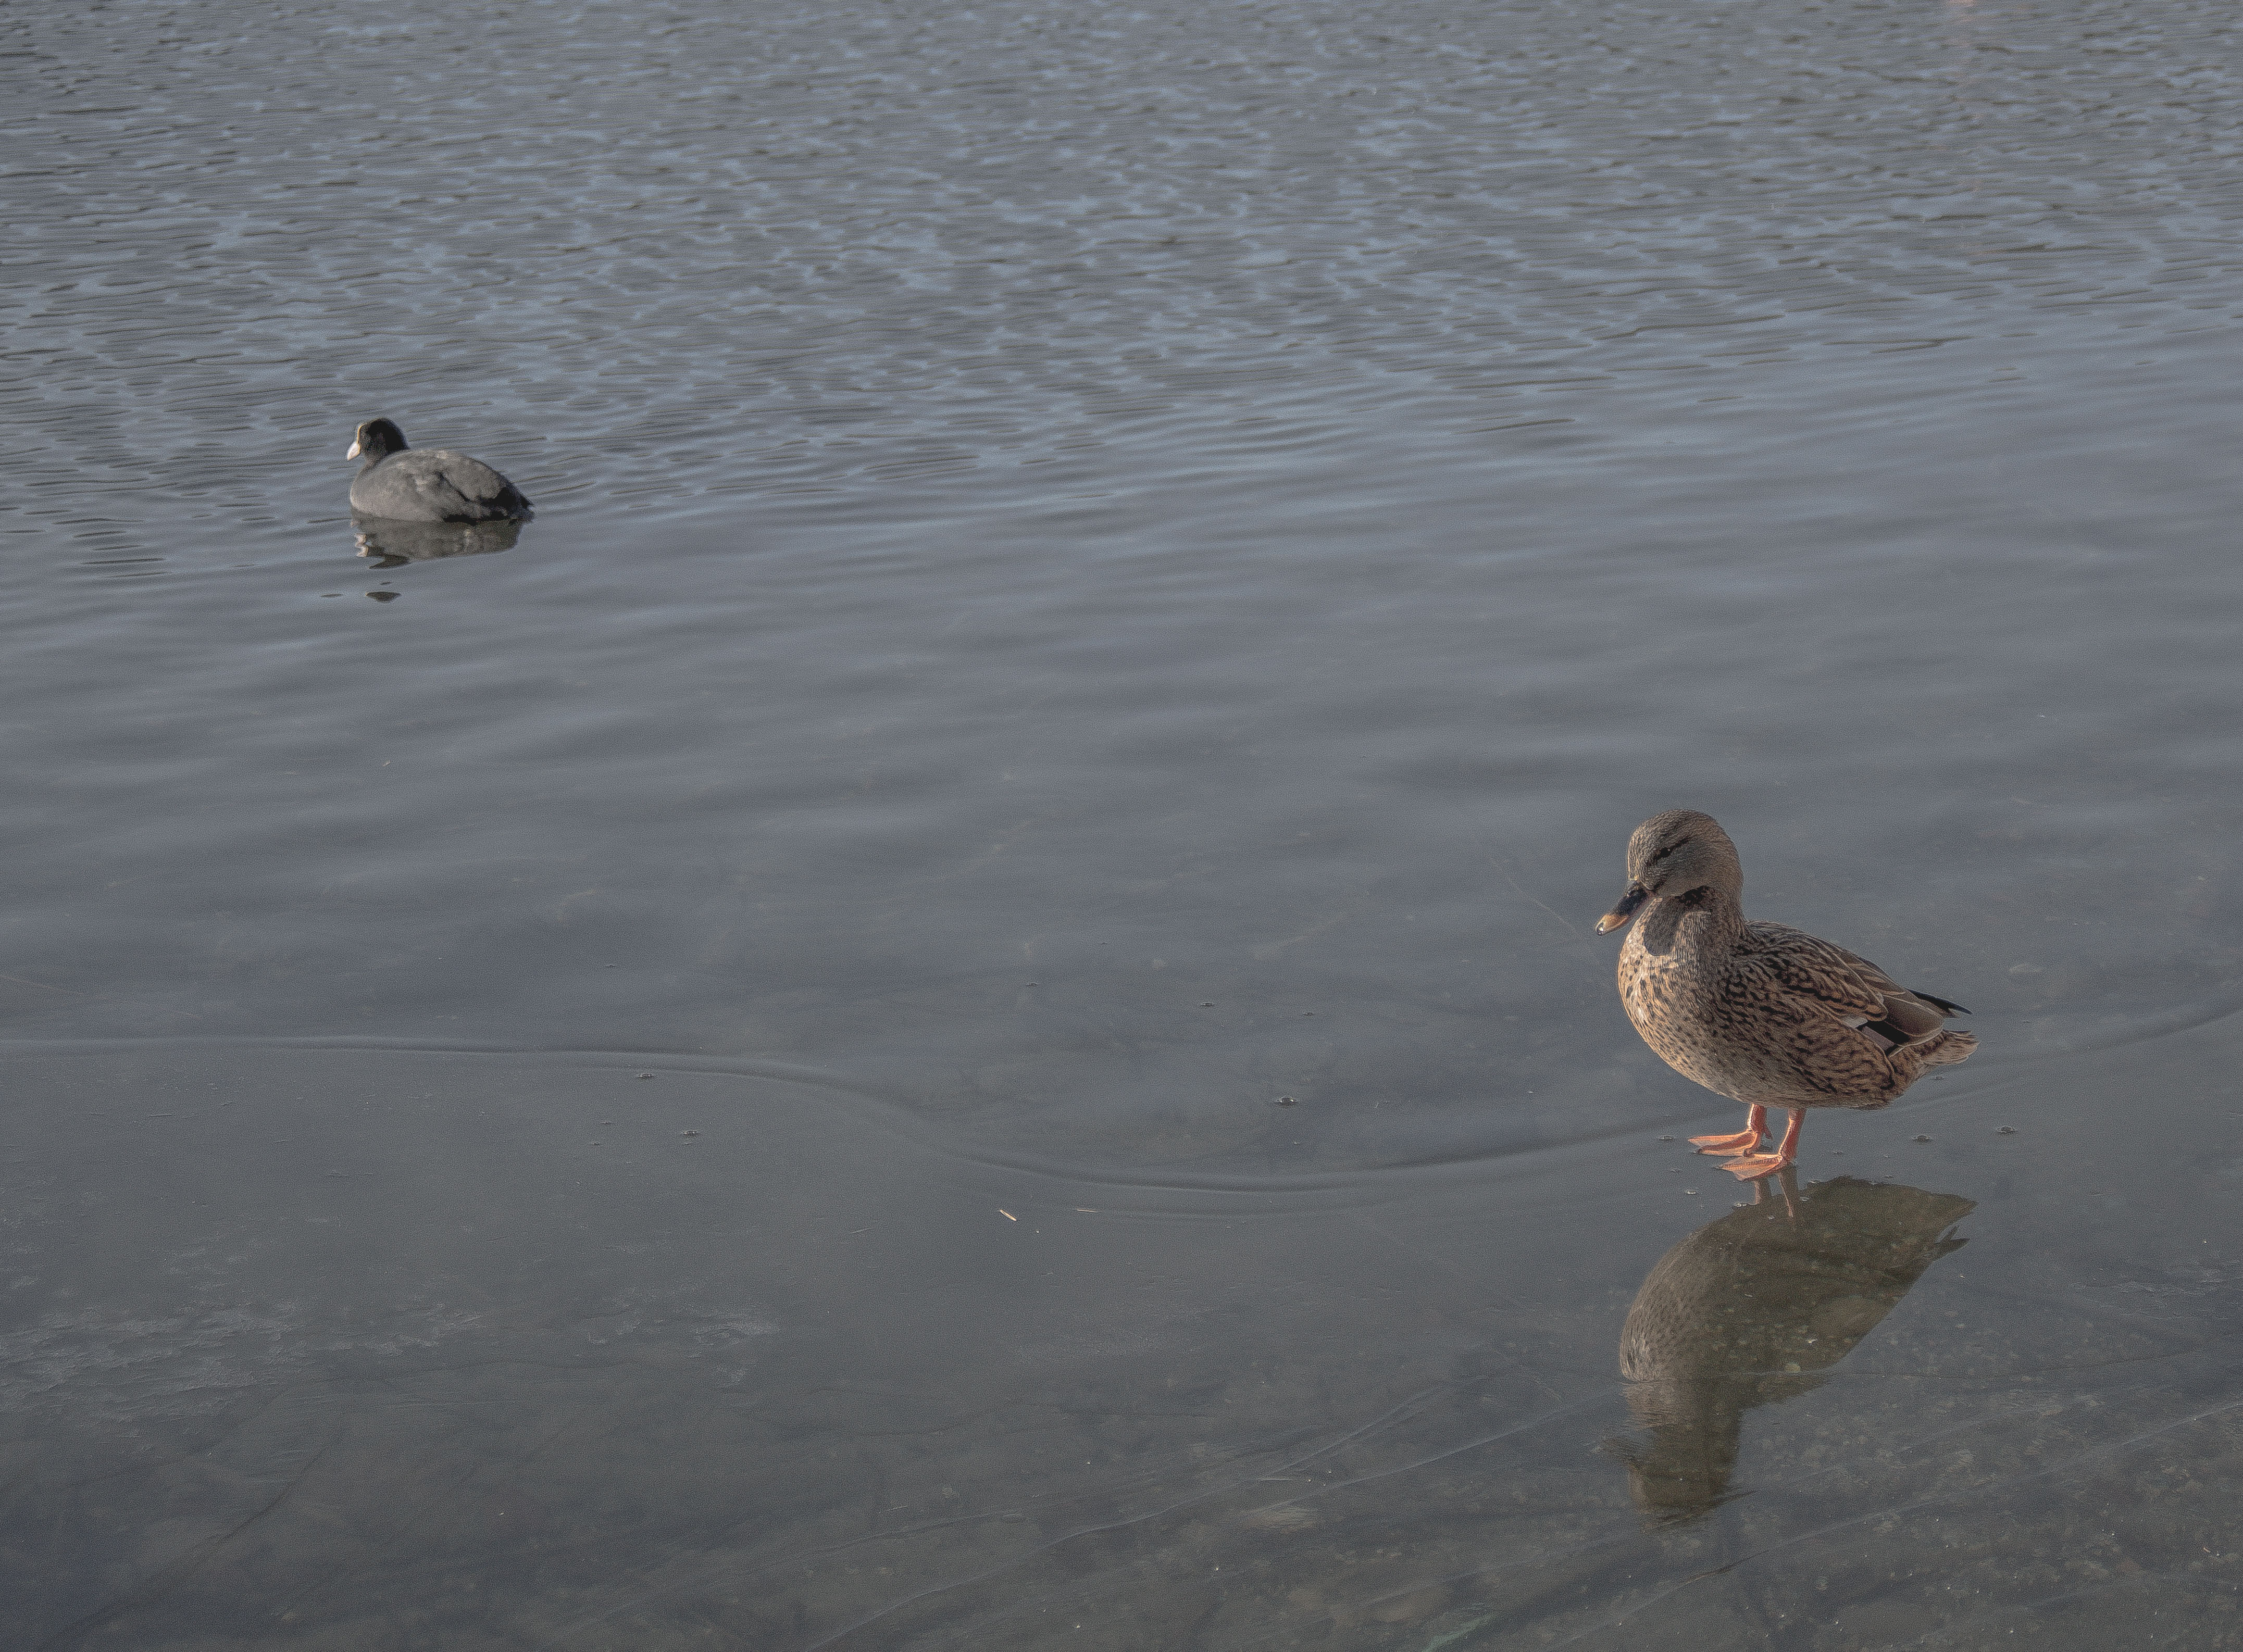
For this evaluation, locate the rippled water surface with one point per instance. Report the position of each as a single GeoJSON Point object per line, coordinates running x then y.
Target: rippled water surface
{"type": "Point", "coordinates": [711, 1075]}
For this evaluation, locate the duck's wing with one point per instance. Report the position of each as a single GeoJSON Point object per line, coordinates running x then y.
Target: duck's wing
{"type": "Point", "coordinates": [1842, 982]}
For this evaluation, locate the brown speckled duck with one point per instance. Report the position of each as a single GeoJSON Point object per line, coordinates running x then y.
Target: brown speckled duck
{"type": "Point", "coordinates": [1762, 1013]}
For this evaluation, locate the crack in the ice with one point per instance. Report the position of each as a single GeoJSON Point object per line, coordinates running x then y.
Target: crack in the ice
{"type": "Point", "coordinates": [178, 1572]}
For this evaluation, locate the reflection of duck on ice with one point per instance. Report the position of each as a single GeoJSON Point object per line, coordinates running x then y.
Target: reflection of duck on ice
{"type": "Point", "coordinates": [1749, 1310]}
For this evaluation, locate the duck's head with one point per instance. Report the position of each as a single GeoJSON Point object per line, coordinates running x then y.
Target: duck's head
{"type": "Point", "coordinates": [376, 438]}
{"type": "Point", "coordinates": [1675, 854]}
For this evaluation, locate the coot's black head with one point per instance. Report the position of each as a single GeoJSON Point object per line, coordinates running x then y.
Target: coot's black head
{"type": "Point", "coordinates": [377, 438]}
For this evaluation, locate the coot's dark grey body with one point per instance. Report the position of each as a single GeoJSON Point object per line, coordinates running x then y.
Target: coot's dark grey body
{"type": "Point", "coordinates": [427, 484]}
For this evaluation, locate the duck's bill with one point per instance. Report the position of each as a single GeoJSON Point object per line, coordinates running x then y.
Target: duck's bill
{"type": "Point", "coordinates": [354, 449]}
{"type": "Point", "coordinates": [1636, 896]}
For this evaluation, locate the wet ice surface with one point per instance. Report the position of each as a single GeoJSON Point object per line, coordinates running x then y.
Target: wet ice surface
{"type": "Point", "coordinates": [507, 1351]}
{"type": "Point", "coordinates": [1095, 571]}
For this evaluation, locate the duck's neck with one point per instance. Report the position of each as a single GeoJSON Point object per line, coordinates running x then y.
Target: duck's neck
{"type": "Point", "coordinates": [1701, 920]}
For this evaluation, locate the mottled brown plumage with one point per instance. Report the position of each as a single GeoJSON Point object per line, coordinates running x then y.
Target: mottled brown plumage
{"type": "Point", "coordinates": [1762, 1013]}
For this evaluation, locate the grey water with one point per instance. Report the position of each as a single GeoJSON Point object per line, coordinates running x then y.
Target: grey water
{"type": "Point", "coordinates": [954, 1005]}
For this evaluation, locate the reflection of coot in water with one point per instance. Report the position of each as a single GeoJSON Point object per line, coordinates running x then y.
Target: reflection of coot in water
{"type": "Point", "coordinates": [1749, 1310]}
{"type": "Point", "coordinates": [427, 485]}
{"type": "Point", "coordinates": [394, 544]}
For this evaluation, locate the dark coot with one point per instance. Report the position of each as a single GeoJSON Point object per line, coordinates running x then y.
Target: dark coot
{"type": "Point", "coordinates": [426, 484]}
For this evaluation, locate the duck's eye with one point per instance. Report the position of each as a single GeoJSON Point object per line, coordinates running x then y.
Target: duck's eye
{"type": "Point", "coordinates": [1669, 850]}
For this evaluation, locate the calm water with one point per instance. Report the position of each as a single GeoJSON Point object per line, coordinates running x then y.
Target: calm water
{"type": "Point", "coordinates": [709, 1077]}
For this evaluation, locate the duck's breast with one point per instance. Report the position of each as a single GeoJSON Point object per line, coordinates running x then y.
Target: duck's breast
{"type": "Point", "coordinates": [1724, 1023]}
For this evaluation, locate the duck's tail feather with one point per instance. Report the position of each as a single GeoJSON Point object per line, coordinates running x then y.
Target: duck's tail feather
{"type": "Point", "coordinates": [1945, 1049]}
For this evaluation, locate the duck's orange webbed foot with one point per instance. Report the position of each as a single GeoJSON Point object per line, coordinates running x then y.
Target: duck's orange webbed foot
{"type": "Point", "coordinates": [1742, 1142]}
{"type": "Point", "coordinates": [1750, 1167]}
{"type": "Point", "coordinates": [1753, 1133]}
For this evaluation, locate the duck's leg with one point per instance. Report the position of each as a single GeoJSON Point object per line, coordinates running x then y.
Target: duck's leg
{"type": "Point", "coordinates": [1755, 1131]}
{"type": "Point", "coordinates": [1749, 1166]}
